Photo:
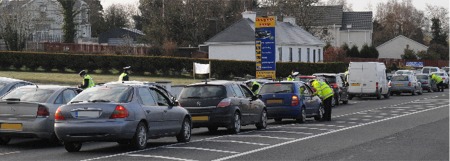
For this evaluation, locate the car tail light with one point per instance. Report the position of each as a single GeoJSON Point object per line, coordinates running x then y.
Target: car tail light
{"type": "Point", "coordinates": [42, 111]}
{"type": "Point", "coordinates": [58, 115]}
{"type": "Point", "coordinates": [409, 84]}
{"type": "Point", "coordinates": [294, 101]}
{"type": "Point", "coordinates": [224, 103]}
{"type": "Point", "coordinates": [334, 85]}
{"type": "Point", "coordinates": [119, 112]}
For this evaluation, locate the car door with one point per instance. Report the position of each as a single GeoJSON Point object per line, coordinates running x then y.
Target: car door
{"type": "Point", "coordinates": [243, 103]}
{"type": "Point", "coordinates": [310, 101]}
{"type": "Point", "coordinates": [255, 106]}
{"type": "Point", "coordinates": [153, 112]}
{"type": "Point", "coordinates": [171, 115]}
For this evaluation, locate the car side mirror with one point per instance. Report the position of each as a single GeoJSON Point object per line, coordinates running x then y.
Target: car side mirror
{"type": "Point", "coordinates": [255, 97]}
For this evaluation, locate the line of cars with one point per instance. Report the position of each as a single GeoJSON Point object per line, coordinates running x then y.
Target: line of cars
{"type": "Point", "coordinates": [409, 81]}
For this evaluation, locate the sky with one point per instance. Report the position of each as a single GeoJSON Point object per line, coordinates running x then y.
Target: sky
{"type": "Point", "coordinates": [357, 5]}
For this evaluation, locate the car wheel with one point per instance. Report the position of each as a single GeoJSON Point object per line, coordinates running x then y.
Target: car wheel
{"type": "Point", "coordinates": [345, 102]}
{"type": "Point", "coordinates": [139, 140]}
{"type": "Point", "coordinates": [398, 93]}
{"type": "Point", "coordinates": [185, 131]}
{"type": "Point", "coordinates": [420, 92]}
{"type": "Point", "coordinates": [72, 146]}
{"type": "Point", "coordinates": [350, 97]}
{"type": "Point", "coordinates": [263, 121]}
{"type": "Point", "coordinates": [378, 95]}
{"type": "Point", "coordinates": [336, 100]}
{"type": "Point", "coordinates": [333, 102]}
{"type": "Point", "coordinates": [320, 113]}
{"type": "Point", "coordinates": [429, 90]}
{"type": "Point", "coordinates": [4, 140]}
{"type": "Point", "coordinates": [212, 129]}
{"type": "Point", "coordinates": [413, 93]}
{"type": "Point", "coordinates": [302, 117]}
{"type": "Point", "coordinates": [278, 119]}
{"type": "Point", "coordinates": [54, 140]}
{"type": "Point", "coordinates": [387, 95]}
{"type": "Point", "coordinates": [235, 124]}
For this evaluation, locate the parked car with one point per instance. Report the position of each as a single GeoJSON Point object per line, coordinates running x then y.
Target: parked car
{"type": "Point", "coordinates": [223, 104]}
{"type": "Point", "coordinates": [286, 100]}
{"type": "Point", "coordinates": [28, 111]}
{"type": "Point", "coordinates": [444, 77]}
{"type": "Point", "coordinates": [429, 70]}
{"type": "Point", "coordinates": [405, 84]}
{"type": "Point", "coordinates": [446, 69]}
{"type": "Point", "coordinates": [339, 87]}
{"type": "Point", "coordinates": [398, 72]}
{"type": "Point", "coordinates": [8, 84]}
{"type": "Point", "coordinates": [426, 82]}
{"type": "Point", "coordinates": [176, 90]}
{"type": "Point", "coordinates": [367, 79]}
{"type": "Point", "coordinates": [129, 114]}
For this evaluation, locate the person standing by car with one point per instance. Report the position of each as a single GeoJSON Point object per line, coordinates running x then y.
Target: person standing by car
{"type": "Point", "coordinates": [88, 82]}
{"type": "Point", "coordinates": [254, 86]}
{"type": "Point", "coordinates": [326, 94]}
{"type": "Point", "coordinates": [124, 76]}
{"type": "Point", "coordinates": [438, 80]}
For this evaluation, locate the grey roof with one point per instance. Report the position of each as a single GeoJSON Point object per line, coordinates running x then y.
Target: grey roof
{"type": "Point", "coordinates": [358, 20]}
{"type": "Point", "coordinates": [326, 15]}
{"type": "Point", "coordinates": [285, 34]}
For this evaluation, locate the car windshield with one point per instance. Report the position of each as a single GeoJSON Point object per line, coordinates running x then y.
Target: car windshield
{"type": "Point", "coordinates": [422, 77]}
{"type": "Point", "coordinates": [277, 88]}
{"type": "Point", "coordinates": [400, 78]}
{"type": "Point", "coordinates": [429, 70]}
{"type": "Point", "coordinates": [104, 94]}
{"type": "Point", "coordinates": [403, 72]}
{"type": "Point", "coordinates": [29, 95]}
{"type": "Point", "coordinates": [204, 91]}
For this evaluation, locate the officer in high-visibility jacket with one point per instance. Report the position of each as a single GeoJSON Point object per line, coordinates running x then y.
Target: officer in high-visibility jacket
{"type": "Point", "coordinates": [124, 76]}
{"type": "Point", "coordinates": [326, 94]}
{"type": "Point", "coordinates": [439, 82]}
{"type": "Point", "coordinates": [254, 86]}
{"type": "Point", "coordinates": [88, 82]}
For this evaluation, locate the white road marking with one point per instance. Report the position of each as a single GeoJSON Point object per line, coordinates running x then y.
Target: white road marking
{"type": "Point", "coordinates": [309, 128]}
{"type": "Point", "coordinates": [289, 132]}
{"type": "Point", "coordinates": [262, 136]}
{"type": "Point", "coordinates": [322, 134]}
{"type": "Point", "coordinates": [204, 149]}
{"type": "Point", "coordinates": [401, 107]}
{"type": "Point", "coordinates": [235, 141]}
{"type": "Point", "coordinates": [14, 152]}
{"type": "Point", "coordinates": [159, 157]}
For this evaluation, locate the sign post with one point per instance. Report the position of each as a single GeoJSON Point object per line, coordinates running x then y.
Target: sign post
{"type": "Point", "coordinates": [265, 47]}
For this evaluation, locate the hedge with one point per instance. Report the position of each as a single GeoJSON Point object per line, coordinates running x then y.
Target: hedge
{"type": "Point", "coordinates": [153, 65]}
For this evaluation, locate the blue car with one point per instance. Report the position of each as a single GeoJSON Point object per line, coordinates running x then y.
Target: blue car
{"type": "Point", "coordinates": [291, 99]}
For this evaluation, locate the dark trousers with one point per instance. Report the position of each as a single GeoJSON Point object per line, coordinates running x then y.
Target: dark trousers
{"type": "Point", "coordinates": [327, 105]}
{"type": "Point", "coordinates": [441, 86]}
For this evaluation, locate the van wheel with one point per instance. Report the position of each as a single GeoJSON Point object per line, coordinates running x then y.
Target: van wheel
{"type": "Point", "coordinates": [302, 117]}
{"type": "Point", "coordinates": [387, 95]}
{"type": "Point", "coordinates": [4, 140]}
{"type": "Point", "coordinates": [378, 96]}
{"type": "Point", "coordinates": [72, 146]}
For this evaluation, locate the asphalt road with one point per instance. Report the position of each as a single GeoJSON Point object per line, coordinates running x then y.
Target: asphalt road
{"type": "Point", "coordinates": [400, 128]}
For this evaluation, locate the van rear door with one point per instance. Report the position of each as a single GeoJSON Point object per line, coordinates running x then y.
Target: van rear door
{"type": "Point", "coordinates": [355, 76]}
{"type": "Point", "coordinates": [370, 77]}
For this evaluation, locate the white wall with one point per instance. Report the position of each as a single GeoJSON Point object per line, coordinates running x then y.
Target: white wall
{"type": "Point", "coordinates": [303, 54]}
{"type": "Point", "coordinates": [396, 47]}
{"type": "Point", "coordinates": [358, 38]}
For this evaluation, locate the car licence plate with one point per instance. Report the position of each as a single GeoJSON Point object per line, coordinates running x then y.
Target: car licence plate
{"type": "Point", "coordinates": [275, 101]}
{"type": "Point", "coordinates": [356, 84]}
{"type": "Point", "coordinates": [11, 127]}
{"type": "Point", "coordinates": [200, 118]}
{"type": "Point", "coordinates": [88, 114]}
{"type": "Point", "coordinates": [399, 84]}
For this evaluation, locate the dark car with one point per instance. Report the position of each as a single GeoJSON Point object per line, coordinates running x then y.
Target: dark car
{"type": "Point", "coordinates": [28, 111]}
{"type": "Point", "coordinates": [223, 104]}
{"type": "Point", "coordinates": [339, 87]}
{"type": "Point", "coordinates": [125, 113]}
{"type": "Point", "coordinates": [8, 84]}
{"type": "Point", "coordinates": [286, 100]}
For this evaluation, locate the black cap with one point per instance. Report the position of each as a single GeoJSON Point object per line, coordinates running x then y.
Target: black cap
{"type": "Point", "coordinates": [82, 72]}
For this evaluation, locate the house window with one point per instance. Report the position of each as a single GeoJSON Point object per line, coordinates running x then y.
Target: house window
{"type": "Point", "coordinates": [280, 54]}
{"type": "Point", "coordinates": [314, 55]}
{"type": "Point", "coordinates": [299, 54]}
{"type": "Point", "coordinates": [290, 54]}
{"type": "Point", "coordinates": [308, 54]}
{"type": "Point", "coordinates": [320, 56]}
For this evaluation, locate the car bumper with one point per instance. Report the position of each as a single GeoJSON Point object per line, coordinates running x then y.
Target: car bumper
{"type": "Point", "coordinates": [402, 89]}
{"type": "Point", "coordinates": [283, 112]}
{"type": "Point", "coordinates": [211, 116]}
{"type": "Point", "coordinates": [95, 131]}
{"type": "Point", "coordinates": [38, 128]}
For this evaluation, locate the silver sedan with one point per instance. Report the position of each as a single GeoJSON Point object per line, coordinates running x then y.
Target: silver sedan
{"type": "Point", "coordinates": [125, 113]}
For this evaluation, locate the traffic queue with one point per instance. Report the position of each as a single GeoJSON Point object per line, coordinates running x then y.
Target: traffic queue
{"type": "Point", "coordinates": [131, 112]}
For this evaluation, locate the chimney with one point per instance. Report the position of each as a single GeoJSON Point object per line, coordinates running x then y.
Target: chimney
{"type": "Point", "coordinates": [250, 15]}
{"type": "Point", "coordinates": [289, 19]}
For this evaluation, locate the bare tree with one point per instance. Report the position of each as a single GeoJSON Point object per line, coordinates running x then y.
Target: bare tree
{"type": "Point", "coordinates": [117, 15]}
{"type": "Point", "coordinates": [15, 25]}
{"type": "Point", "coordinates": [346, 6]}
{"type": "Point", "coordinates": [440, 13]}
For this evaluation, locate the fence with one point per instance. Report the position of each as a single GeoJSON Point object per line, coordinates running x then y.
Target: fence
{"type": "Point", "coordinates": [389, 62]}
{"type": "Point", "coordinates": [94, 48]}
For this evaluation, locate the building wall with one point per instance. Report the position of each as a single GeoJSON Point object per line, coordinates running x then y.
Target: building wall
{"type": "Point", "coordinates": [396, 47]}
{"type": "Point", "coordinates": [358, 38]}
{"type": "Point", "coordinates": [247, 53]}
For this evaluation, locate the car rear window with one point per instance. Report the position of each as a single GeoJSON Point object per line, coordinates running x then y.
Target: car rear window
{"type": "Point", "coordinates": [277, 88]}
{"type": "Point", "coordinates": [206, 91]}
{"type": "Point", "coordinates": [105, 93]}
{"type": "Point", "coordinates": [422, 77]}
{"type": "Point", "coordinates": [400, 78]}
{"type": "Point", "coordinates": [439, 74]}
{"type": "Point", "coordinates": [330, 79]}
{"type": "Point", "coordinates": [30, 94]}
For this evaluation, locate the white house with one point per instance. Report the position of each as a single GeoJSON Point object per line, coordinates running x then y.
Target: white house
{"type": "Point", "coordinates": [237, 42]}
{"type": "Point", "coordinates": [395, 47]}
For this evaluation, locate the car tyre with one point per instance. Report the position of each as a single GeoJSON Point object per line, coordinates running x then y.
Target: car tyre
{"type": "Point", "coordinates": [4, 140]}
{"type": "Point", "coordinates": [336, 100]}
{"type": "Point", "coordinates": [413, 93]}
{"type": "Point", "coordinates": [320, 113]}
{"type": "Point", "coordinates": [139, 140]}
{"type": "Point", "coordinates": [72, 146]}
{"type": "Point", "coordinates": [278, 119]}
{"type": "Point", "coordinates": [350, 97]}
{"type": "Point", "coordinates": [302, 117]}
{"type": "Point", "coordinates": [345, 102]}
{"type": "Point", "coordinates": [262, 124]}
{"type": "Point", "coordinates": [378, 95]}
{"type": "Point", "coordinates": [420, 92]}
{"type": "Point", "coordinates": [185, 131]}
{"type": "Point", "coordinates": [387, 95]}
{"type": "Point", "coordinates": [333, 102]}
{"type": "Point", "coordinates": [235, 124]}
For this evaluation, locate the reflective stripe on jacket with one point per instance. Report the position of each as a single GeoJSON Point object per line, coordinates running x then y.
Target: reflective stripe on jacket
{"type": "Point", "coordinates": [121, 76]}
{"type": "Point", "coordinates": [91, 81]}
{"type": "Point", "coordinates": [257, 84]}
{"type": "Point", "coordinates": [322, 89]}
{"type": "Point", "coordinates": [436, 78]}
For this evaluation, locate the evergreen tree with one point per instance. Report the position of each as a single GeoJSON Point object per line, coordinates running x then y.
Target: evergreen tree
{"type": "Point", "coordinates": [69, 14]}
{"type": "Point", "coordinates": [96, 17]}
{"type": "Point", "coordinates": [346, 49]}
{"type": "Point", "coordinates": [365, 51]}
{"type": "Point", "coordinates": [354, 52]}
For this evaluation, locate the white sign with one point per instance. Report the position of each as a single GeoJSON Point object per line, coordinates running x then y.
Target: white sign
{"type": "Point", "coordinates": [201, 68]}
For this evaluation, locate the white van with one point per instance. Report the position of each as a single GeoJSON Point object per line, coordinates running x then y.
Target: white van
{"type": "Point", "coordinates": [367, 79]}
{"type": "Point", "coordinates": [429, 70]}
